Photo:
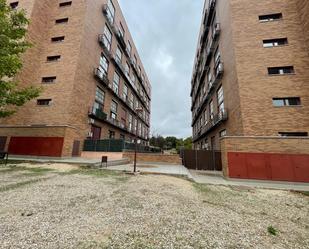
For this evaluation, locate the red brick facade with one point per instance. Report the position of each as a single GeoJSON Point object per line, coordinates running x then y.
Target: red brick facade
{"type": "Point", "coordinates": [75, 89]}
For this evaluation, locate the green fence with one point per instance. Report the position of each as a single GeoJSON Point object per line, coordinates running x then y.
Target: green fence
{"type": "Point", "coordinates": [117, 145]}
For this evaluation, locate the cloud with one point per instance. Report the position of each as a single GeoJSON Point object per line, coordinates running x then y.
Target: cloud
{"type": "Point", "coordinates": [165, 33]}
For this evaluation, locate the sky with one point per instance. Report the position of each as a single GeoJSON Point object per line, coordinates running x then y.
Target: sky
{"type": "Point", "coordinates": [165, 33]}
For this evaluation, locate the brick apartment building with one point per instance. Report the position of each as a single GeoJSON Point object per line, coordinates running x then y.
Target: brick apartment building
{"type": "Point", "coordinates": [251, 75]}
{"type": "Point", "coordinates": [252, 71]}
{"type": "Point", "coordinates": [94, 84]}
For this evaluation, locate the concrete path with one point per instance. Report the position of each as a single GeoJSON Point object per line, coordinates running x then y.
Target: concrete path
{"type": "Point", "coordinates": [217, 179]}
{"type": "Point", "coordinates": [155, 168]}
{"type": "Point", "coordinates": [73, 160]}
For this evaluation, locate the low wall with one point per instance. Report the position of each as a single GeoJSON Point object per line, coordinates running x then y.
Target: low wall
{"type": "Point", "coordinates": [153, 158]}
{"type": "Point", "coordinates": [266, 158]}
{"type": "Point", "coordinates": [95, 155]}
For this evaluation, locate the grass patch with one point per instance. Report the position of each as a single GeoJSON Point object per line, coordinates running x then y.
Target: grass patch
{"type": "Point", "coordinates": [18, 185]}
{"type": "Point", "coordinates": [271, 230]}
{"type": "Point", "coordinates": [202, 188]}
{"type": "Point", "coordinates": [305, 193]}
{"type": "Point", "coordinates": [26, 170]}
{"type": "Point", "coordinates": [2, 162]}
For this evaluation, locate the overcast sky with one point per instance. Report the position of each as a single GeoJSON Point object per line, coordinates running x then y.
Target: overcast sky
{"type": "Point", "coordinates": [165, 33]}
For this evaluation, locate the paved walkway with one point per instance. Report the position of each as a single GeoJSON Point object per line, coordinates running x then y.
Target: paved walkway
{"type": "Point", "coordinates": [155, 168]}
{"type": "Point", "coordinates": [217, 179]}
{"type": "Point", "coordinates": [72, 160]}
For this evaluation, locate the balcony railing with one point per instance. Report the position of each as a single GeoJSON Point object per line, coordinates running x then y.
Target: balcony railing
{"type": "Point", "coordinates": [215, 120]}
{"type": "Point", "coordinates": [216, 31]}
{"type": "Point", "coordinates": [97, 113]}
{"type": "Point", "coordinates": [101, 76]}
{"type": "Point", "coordinates": [105, 49]}
{"type": "Point", "coordinates": [212, 84]}
{"type": "Point", "coordinates": [121, 40]}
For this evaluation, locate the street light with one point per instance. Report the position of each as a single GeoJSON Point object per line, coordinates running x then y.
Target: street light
{"type": "Point", "coordinates": [137, 110]}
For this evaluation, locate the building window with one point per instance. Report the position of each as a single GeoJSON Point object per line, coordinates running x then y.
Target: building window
{"type": "Point", "coordinates": [110, 11]}
{"type": "Point", "coordinates": [127, 69]}
{"type": "Point", "coordinates": [99, 96]}
{"type": "Point", "coordinates": [129, 48]}
{"type": "Point", "coordinates": [217, 57]}
{"type": "Point", "coordinates": [44, 102]}
{"type": "Point", "coordinates": [133, 78]}
{"type": "Point", "coordinates": [281, 70]}
{"type": "Point", "coordinates": [278, 102]}
{"type": "Point", "coordinates": [57, 39]}
{"type": "Point", "coordinates": [118, 55]}
{"type": "Point", "coordinates": [62, 20]}
{"type": "Point", "coordinates": [122, 137]}
{"type": "Point", "coordinates": [114, 107]}
{"type": "Point", "coordinates": [49, 80]}
{"type": "Point", "coordinates": [135, 125]}
{"type": "Point", "coordinates": [116, 83]}
{"type": "Point", "coordinates": [132, 100]}
{"type": "Point", "coordinates": [220, 97]}
{"type": "Point", "coordinates": [293, 134]}
{"type": "Point", "coordinates": [107, 38]}
{"type": "Point", "coordinates": [211, 110]}
{"type": "Point", "coordinates": [222, 133]}
{"type": "Point", "coordinates": [103, 65]}
{"type": "Point", "coordinates": [14, 5]}
{"type": "Point", "coordinates": [53, 58]}
{"type": "Point", "coordinates": [121, 30]}
{"type": "Point", "coordinates": [134, 60]}
{"type": "Point", "coordinates": [65, 4]}
{"type": "Point", "coordinates": [130, 122]}
{"type": "Point", "coordinates": [125, 92]}
{"type": "Point", "coordinates": [271, 17]}
{"type": "Point", "coordinates": [275, 42]}
{"type": "Point", "coordinates": [111, 134]}
{"type": "Point", "coordinates": [209, 76]}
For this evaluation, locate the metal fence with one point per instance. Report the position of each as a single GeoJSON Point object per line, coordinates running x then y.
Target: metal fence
{"type": "Point", "coordinates": [117, 145]}
{"type": "Point", "coordinates": [202, 159]}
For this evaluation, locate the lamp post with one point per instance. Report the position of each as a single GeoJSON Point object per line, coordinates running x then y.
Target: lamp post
{"type": "Point", "coordinates": [138, 110]}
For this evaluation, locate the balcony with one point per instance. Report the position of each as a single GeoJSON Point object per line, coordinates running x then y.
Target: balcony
{"type": "Point", "coordinates": [97, 113]}
{"type": "Point", "coordinates": [110, 22]}
{"type": "Point", "coordinates": [215, 121]}
{"type": "Point", "coordinates": [211, 10]}
{"type": "Point", "coordinates": [216, 31]}
{"type": "Point", "coordinates": [101, 76]}
{"type": "Point", "coordinates": [121, 40]}
{"type": "Point", "coordinates": [105, 49]}
{"type": "Point", "coordinates": [219, 71]}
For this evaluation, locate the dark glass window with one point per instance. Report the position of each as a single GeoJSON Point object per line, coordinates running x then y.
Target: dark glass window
{"type": "Point", "coordinates": [44, 101]}
{"type": "Point", "coordinates": [65, 4]}
{"type": "Point", "coordinates": [281, 70]}
{"type": "Point", "coordinates": [293, 134]}
{"type": "Point", "coordinates": [57, 39]}
{"type": "Point", "coordinates": [48, 80]}
{"type": "Point", "coordinates": [294, 101]}
{"type": "Point", "coordinates": [270, 17]}
{"type": "Point", "coordinates": [275, 42]}
{"type": "Point", "coordinates": [14, 5]}
{"type": "Point", "coordinates": [62, 20]}
{"type": "Point", "coordinates": [53, 58]}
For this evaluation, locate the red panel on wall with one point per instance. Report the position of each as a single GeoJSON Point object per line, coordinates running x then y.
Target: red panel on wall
{"type": "Point", "coordinates": [269, 166]}
{"type": "Point", "coordinates": [239, 169]}
{"type": "Point", "coordinates": [281, 168]}
{"type": "Point", "coordinates": [256, 166]}
{"type": "Point", "coordinates": [36, 146]}
{"type": "Point", "coordinates": [301, 167]}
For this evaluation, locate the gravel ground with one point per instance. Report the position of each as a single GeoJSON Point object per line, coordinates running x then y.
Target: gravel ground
{"type": "Point", "coordinates": [103, 209]}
